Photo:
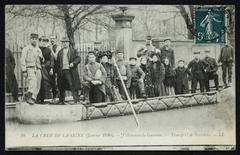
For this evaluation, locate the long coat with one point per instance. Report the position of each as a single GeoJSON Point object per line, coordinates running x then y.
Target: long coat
{"type": "Point", "coordinates": [181, 80]}
{"type": "Point", "coordinates": [168, 53]}
{"type": "Point", "coordinates": [73, 58]}
{"type": "Point", "coordinates": [169, 76]}
{"type": "Point", "coordinates": [148, 84]}
{"type": "Point", "coordinates": [11, 81]}
{"type": "Point", "coordinates": [47, 79]}
{"type": "Point", "coordinates": [158, 75]}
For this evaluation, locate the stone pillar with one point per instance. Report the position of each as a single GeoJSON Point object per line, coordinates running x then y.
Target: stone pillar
{"type": "Point", "coordinates": [123, 32]}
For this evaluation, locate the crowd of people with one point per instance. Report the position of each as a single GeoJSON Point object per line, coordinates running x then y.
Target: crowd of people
{"type": "Point", "coordinates": [51, 69]}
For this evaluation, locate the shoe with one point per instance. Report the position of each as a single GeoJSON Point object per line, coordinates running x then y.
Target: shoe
{"type": "Point", "coordinates": [31, 101]}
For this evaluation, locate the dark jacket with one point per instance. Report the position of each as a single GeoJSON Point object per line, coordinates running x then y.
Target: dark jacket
{"type": "Point", "coordinates": [197, 69]}
{"type": "Point", "coordinates": [226, 54]}
{"type": "Point", "coordinates": [181, 80]}
{"type": "Point", "coordinates": [48, 63]}
{"type": "Point", "coordinates": [73, 58]}
{"type": "Point", "coordinates": [211, 65]}
{"type": "Point", "coordinates": [10, 78]}
{"type": "Point", "coordinates": [168, 53]}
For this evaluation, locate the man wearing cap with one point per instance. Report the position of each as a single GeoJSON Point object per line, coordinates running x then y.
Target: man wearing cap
{"type": "Point", "coordinates": [125, 73]}
{"type": "Point", "coordinates": [47, 71]}
{"type": "Point", "coordinates": [67, 71]}
{"type": "Point", "coordinates": [197, 67]}
{"type": "Point", "coordinates": [168, 52]}
{"type": "Point", "coordinates": [137, 79]}
{"type": "Point", "coordinates": [226, 59]}
{"type": "Point", "coordinates": [210, 70]}
{"type": "Point", "coordinates": [31, 60]}
{"type": "Point", "coordinates": [95, 76]}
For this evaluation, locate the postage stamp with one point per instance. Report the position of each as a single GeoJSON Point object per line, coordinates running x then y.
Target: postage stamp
{"type": "Point", "coordinates": [210, 25]}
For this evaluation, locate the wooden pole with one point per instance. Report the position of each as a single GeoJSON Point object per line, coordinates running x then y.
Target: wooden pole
{"type": "Point", "coordinates": [125, 89]}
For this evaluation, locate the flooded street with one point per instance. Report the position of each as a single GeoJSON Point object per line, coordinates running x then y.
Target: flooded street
{"type": "Point", "coordinates": [208, 124]}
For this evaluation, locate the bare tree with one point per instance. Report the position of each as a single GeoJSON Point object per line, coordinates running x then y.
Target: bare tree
{"type": "Point", "coordinates": [74, 16]}
{"type": "Point", "coordinates": [188, 18]}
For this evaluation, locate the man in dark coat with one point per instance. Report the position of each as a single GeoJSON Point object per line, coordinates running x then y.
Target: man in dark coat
{"type": "Point", "coordinates": [168, 52]}
{"type": "Point", "coordinates": [10, 78]}
{"type": "Point", "coordinates": [137, 80]}
{"type": "Point", "coordinates": [110, 80]}
{"type": "Point", "coordinates": [211, 71]}
{"type": "Point", "coordinates": [67, 66]}
{"type": "Point", "coordinates": [226, 59]}
{"type": "Point", "coordinates": [158, 75]}
{"type": "Point", "coordinates": [95, 76]}
{"type": "Point", "coordinates": [47, 71]}
{"type": "Point", "coordinates": [55, 49]}
{"type": "Point", "coordinates": [181, 79]}
{"type": "Point", "coordinates": [197, 67]}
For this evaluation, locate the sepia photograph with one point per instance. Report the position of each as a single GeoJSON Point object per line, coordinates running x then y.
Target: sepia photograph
{"type": "Point", "coordinates": [120, 77]}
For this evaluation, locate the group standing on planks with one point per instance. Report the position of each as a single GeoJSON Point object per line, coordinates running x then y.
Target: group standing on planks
{"type": "Point", "coordinates": [51, 69]}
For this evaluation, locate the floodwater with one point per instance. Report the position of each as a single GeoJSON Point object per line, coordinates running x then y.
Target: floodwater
{"type": "Point", "coordinates": [199, 125]}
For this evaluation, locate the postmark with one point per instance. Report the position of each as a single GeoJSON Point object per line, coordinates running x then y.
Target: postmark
{"type": "Point", "coordinates": [210, 25]}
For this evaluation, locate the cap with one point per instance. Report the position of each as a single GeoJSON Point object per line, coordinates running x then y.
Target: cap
{"type": "Point", "coordinates": [52, 37]}
{"type": "Point", "coordinates": [92, 52]}
{"type": "Point", "coordinates": [43, 38]}
{"type": "Point", "coordinates": [149, 37]}
{"type": "Point", "coordinates": [207, 51]}
{"type": "Point", "coordinates": [181, 61]}
{"type": "Point", "coordinates": [196, 52]}
{"type": "Point", "coordinates": [131, 58]}
{"type": "Point", "coordinates": [168, 38]}
{"type": "Point", "coordinates": [153, 54]}
{"type": "Point", "coordinates": [33, 35]}
{"type": "Point", "coordinates": [65, 39]}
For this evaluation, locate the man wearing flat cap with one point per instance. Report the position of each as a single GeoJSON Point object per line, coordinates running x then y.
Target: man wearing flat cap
{"type": "Point", "coordinates": [47, 71]}
{"type": "Point", "coordinates": [211, 70]}
{"type": "Point", "coordinates": [197, 67]}
{"type": "Point", "coordinates": [67, 71]}
{"type": "Point", "coordinates": [31, 60]}
{"type": "Point", "coordinates": [168, 52]}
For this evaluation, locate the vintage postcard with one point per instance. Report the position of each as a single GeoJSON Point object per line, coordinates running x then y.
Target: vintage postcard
{"type": "Point", "coordinates": [120, 77]}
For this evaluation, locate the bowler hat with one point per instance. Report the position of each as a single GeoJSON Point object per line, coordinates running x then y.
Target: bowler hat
{"type": "Point", "coordinates": [33, 35]}
{"type": "Point", "coordinates": [168, 38]}
{"type": "Point", "coordinates": [65, 39]}
{"type": "Point", "coordinates": [131, 58]}
{"type": "Point", "coordinates": [196, 52]}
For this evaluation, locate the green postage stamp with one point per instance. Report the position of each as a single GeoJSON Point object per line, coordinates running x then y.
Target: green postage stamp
{"type": "Point", "coordinates": [210, 25]}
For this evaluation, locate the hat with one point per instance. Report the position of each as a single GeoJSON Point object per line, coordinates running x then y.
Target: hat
{"type": "Point", "coordinates": [131, 58]}
{"type": "Point", "coordinates": [43, 38]}
{"type": "Point", "coordinates": [207, 51]}
{"type": "Point", "coordinates": [119, 51]}
{"type": "Point", "coordinates": [196, 52]}
{"type": "Point", "coordinates": [149, 37]}
{"type": "Point", "coordinates": [168, 38]}
{"type": "Point", "coordinates": [153, 53]}
{"type": "Point", "coordinates": [181, 61]}
{"type": "Point", "coordinates": [52, 37]}
{"type": "Point", "coordinates": [92, 52]}
{"type": "Point", "coordinates": [33, 35]}
{"type": "Point", "coordinates": [65, 39]}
